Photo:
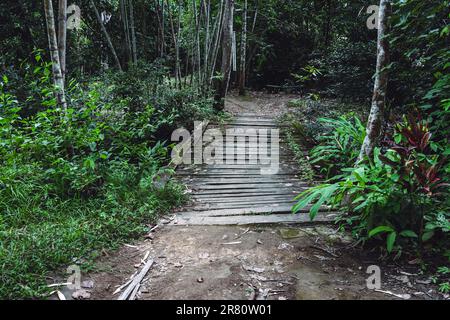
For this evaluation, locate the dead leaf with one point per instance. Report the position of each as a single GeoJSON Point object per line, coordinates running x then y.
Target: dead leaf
{"type": "Point", "coordinates": [61, 296]}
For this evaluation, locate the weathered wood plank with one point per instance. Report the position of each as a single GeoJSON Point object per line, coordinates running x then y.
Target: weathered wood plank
{"type": "Point", "coordinates": [253, 219]}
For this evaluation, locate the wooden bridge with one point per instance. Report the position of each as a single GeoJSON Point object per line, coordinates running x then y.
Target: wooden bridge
{"type": "Point", "coordinates": [236, 188]}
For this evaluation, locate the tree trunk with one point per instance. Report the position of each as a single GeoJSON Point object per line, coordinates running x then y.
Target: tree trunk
{"type": "Point", "coordinates": [225, 69]}
{"type": "Point", "coordinates": [379, 91]}
{"type": "Point", "coordinates": [176, 44]}
{"type": "Point", "coordinates": [62, 35]}
{"type": "Point", "coordinates": [217, 36]}
{"type": "Point", "coordinates": [124, 15]}
{"type": "Point", "coordinates": [53, 47]}
{"type": "Point", "coordinates": [133, 33]}
{"type": "Point", "coordinates": [105, 33]}
{"type": "Point", "coordinates": [243, 58]}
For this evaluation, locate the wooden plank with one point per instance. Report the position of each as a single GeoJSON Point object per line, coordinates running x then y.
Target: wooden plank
{"type": "Point", "coordinates": [254, 219]}
{"type": "Point", "coordinates": [219, 174]}
{"type": "Point", "coordinates": [237, 205]}
{"type": "Point", "coordinates": [240, 180]}
{"type": "Point", "coordinates": [243, 197]}
{"type": "Point", "coordinates": [256, 186]}
{"type": "Point", "coordinates": [136, 280]}
{"type": "Point", "coordinates": [203, 196]}
{"type": "Point", "coordinates": [238, 166]}
{"type": "Point", "coordinates": [218, 213]}
{"type": "Point", "coordinates": [251, 211]}
{"type": "Point", "coordinates": [248, 191]}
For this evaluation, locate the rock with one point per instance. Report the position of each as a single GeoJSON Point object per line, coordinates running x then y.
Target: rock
{"type": "Point", "coordinates": [81, 295]}
{"type": "Point", "coordinates": [200, 280]}
{"type": "Point", "coordinates": [427, 281]}
{"type": "Point", "coordinates": [88, 284]}
{"type": "Point", "coordinates": [254, 269]}
{"type": "Point", "coordinates": [285, 246]}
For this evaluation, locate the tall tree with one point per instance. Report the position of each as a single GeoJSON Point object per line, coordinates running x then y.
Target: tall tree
{"type": "Point", "coordinates": [242, 66]}
{"type": "Point", "coordinates": [105, 33]}
{"type": "Point", "coordinates": [176, 42]}
{"type": "Point", "coordinates": [126, 28]}
{"type": "Point", "coordinates": [133, 33]}
{"type": "Point", "coordinates": [62, 35]}
{"type": "Point", "coordinates": [225, 69]}
{"type": "Point", "coordinates": [374, 123]}
{"type": "Point", "coordinates": [54, 55]}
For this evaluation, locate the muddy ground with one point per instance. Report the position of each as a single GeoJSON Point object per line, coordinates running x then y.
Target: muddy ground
{"type": "Point", "coordinates": [271, 262]}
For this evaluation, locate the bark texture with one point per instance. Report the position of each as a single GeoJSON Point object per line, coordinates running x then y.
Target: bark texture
{"type": "Point", "coordinates": [242, 66]}
{"type": "Point", "coordinates": [225, 69]}
{"type": "Point", "coordinates": [381, 79]}
{"type": "Point", "coordinates": [54, 55]}
{"type": "Point", "coordinates": [62, 35]}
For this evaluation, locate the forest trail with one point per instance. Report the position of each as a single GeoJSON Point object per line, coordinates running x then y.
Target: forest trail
{"type": "Point", "coordinates": [206, 255]}
{"type": "Point", "coordinates": [251, 179]}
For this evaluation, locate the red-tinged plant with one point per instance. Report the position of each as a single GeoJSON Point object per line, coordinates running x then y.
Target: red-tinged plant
{"type": "Point", "coordinates": [415, 132]}
{"type": "Point", "coordinates": [428, 178]}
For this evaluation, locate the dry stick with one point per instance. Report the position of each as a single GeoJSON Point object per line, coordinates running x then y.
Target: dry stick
{"type": "Point", "coordinates": [105, 33]}
{"type": "Point", "coordinates": [136, 281]}
{"type": "Point", "coordinates": [121, 287]}
{"type": "Point", "coordinates": [133, 294]}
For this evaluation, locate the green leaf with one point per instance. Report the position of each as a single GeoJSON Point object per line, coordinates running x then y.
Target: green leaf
{"type": "Point", "coordinates": [409, 234]}
{"type": "Point", "coordinates": [427, 236]}
{"type": "Point", "coordinates": [380, 229]}
{"type": "Point", "coordinates": [391, 241]}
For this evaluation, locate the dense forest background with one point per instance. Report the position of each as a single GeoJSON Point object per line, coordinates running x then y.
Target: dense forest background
{"type": "Point", "coordinates": [87, 171]}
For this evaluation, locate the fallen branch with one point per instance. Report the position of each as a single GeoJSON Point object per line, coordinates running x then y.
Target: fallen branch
{"type": "Point", "coordinates": [331, 253]}
{"type": "Point", "coordinates": [401, 296]}
{"type": "Point", "coordinates": [136, 281]}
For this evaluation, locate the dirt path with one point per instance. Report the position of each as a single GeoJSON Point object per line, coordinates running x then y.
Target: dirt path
{"type": "Point", "coordinates": [252, 262]}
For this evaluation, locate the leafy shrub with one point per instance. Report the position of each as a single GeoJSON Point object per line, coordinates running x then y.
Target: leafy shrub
{"type": "Point", "coordinates": [339, 147]}
{"type": "Point", "coordinates": [82, 179]}
{"type": "Point", "coordinates": [400, 193]}
{"type": "Point", "coordinates": [347, 69]}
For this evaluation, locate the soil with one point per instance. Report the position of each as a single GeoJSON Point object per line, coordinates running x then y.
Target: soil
{"type": "Point", "coordinates": [235, 263]}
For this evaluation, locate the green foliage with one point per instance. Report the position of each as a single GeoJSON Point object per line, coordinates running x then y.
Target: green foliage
{"type": "Point", "coordinates": [399, 193]}
{"type": "Point", "coordinates": [87, 178]}
{"type": "Point", "coordinates": [339, 147]}
{"type": "Point", "coordinates": [347, 69]}
{"type": "Point", "coordinates": [306, 172]}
